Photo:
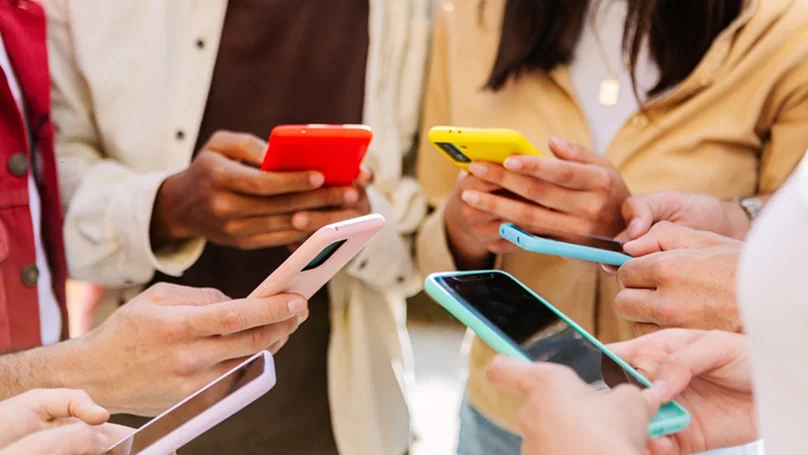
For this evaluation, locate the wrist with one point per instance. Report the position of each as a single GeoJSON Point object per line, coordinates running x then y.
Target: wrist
{"type": "Point", "coordinates": [738, 220]}
{"type": "Point", "coordinates": [166, 221]}
{"type": "Point", "coordinates": [468, 253]}
{"type": "Point", "coordinates": [48, 367]}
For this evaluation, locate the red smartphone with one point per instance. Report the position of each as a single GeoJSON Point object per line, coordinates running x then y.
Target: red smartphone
{"type": "Point", "coordinates": [336, 151]}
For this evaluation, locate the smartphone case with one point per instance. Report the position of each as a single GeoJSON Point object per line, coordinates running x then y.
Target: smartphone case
{"type": "Point", "coordinates": [336, 151]}
{"type": "Point", "coordinates": [212, 416]}
{"type": "Point", "coordinates": [671, 418]}
{"type": "Point", "coordinates": [493, 145]}
{"type": "Point", "coordinates": [290, 276]}
{"type": "Point", "coordinates": [536, 244]}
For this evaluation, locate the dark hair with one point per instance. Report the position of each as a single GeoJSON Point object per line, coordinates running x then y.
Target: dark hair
{"type": "Point", "coordinates": [540, 34]}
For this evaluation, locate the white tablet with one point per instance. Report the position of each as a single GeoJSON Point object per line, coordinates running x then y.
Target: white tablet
{"type": "Point", "coordinates": [203, 410]}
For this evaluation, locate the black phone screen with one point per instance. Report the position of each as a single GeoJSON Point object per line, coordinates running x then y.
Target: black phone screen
{"type": "Point", "coordinates": [538, 331]}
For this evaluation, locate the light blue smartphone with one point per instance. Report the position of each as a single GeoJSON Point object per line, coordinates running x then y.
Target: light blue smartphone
{"type": "Point", "coordinates": [518, 323]}
{"type": "Point", "coordinates": [586, 248]}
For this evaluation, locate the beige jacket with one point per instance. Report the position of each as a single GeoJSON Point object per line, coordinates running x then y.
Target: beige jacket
{"type": "Point", "coordinates": [736, 126]}
{"type": "Point", "coordinates": [127, 77]}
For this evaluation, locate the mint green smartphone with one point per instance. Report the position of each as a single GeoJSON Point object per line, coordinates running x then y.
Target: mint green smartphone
{"type": "Point", "coordinates": [518, 323]}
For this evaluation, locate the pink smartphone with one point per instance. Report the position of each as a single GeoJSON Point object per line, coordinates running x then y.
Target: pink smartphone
{"type": "Point", "coordinates": [320, 257]}
{"type": "Point", "coordinates": [203, 410]}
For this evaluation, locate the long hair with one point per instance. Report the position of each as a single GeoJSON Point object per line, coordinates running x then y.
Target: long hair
{"type": "Point", "coordinates": [540, 34]}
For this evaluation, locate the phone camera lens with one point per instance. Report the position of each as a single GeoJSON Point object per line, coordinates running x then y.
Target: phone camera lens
{"type": "Point", "coordinates": [454, 152]}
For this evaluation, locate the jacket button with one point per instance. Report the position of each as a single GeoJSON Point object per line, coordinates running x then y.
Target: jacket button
{"type": "Point", "coordinates": [18, 164]}
{"type": "Point", "coordinates": [30, 275]}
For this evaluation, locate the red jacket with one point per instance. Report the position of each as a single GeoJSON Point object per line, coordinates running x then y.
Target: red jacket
{"type": "Point", "coordinates": [22, 25]}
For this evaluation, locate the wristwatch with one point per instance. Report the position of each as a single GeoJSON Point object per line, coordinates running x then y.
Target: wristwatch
{"type": "Point", "coordinates": [751, 205]}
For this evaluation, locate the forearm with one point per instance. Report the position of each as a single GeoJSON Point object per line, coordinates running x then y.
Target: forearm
{"type": "Point", "coordinates": [55, 366]}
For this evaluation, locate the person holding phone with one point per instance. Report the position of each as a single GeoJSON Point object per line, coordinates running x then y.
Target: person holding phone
{"type": "Point", "coordinates": [161, 182]}
{"type": "Point", "coordinates": [629, 117]}
{"type": "Point", "coordinates": [737, 387]}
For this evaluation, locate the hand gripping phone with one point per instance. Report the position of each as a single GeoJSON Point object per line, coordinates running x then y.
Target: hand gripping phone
{"type": "Point", "coordinates": [336, 151]}
{"type": "Point", "coordinates": [320, 257]}
{"type": "Point", "coordinates": [518, 323]}
{"type": "Point", "coordinates": [203, 410]}
{"type": "Point", "coordinates": [465, 145]}
{"type": "Point", "coordinates": [583, 247]}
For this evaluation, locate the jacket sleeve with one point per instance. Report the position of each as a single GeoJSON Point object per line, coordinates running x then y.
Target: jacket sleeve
{"type": "Point", "coordinates": [108, 205]}
{"type": "Point", "coordinates": [788, 135]}
{"type": "Point", "coordinates": [436, 174]}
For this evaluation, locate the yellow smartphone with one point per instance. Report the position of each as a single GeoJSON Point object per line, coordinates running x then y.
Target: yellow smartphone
{"type": "Point", "coordinates": [466, 145]}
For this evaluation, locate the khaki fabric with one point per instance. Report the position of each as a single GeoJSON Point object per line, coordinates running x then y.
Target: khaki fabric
{"type": "Point", "coordinates": [736, 126]}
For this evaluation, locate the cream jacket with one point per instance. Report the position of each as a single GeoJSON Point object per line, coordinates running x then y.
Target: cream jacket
{"type": "Point", "coordinates": [127, 77]}
{"type": "Point", "coordinates": [738, 125]}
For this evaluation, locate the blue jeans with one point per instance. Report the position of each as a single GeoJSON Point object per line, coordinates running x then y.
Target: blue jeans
{"type": "Point", "coordinates": [479, 436]}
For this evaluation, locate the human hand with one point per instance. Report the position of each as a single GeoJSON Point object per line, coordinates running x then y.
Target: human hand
{"type": "Point", "coordinates": [472, 234]}
{"type": "Point", "coordinates": [709, 373]}
{"type": "Point", "coordinates": [170, 341]}
{"type": "Point", "coordinates": [679, 278]}
{"type": "Point", "coordinates": [580, 193]}
{"type": "Point", "coordinates": [44, 409]}
{"type": "Point", "coordinates": [560, 406]}
{"type": "Point", "coordinates": [223, 197]}
{"type": "Point", "coordinates": [697, 211]}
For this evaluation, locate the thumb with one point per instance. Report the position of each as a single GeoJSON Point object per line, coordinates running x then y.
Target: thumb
{"type": "Point", "coordinates": [639, 215]}
{"type": "Point", "coordinates": [242, 147]}
{"type": "Point", "coordinates": [568, 151]}
{"type": "Point", "coordinates": [75, 439]}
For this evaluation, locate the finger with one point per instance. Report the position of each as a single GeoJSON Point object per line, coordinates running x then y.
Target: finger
{"type": "Point", "coordinates": [116, 433]}
{"type": "Point", "coordinates": [278, 345]}
{"type": "Point", "coordinates": [244, 314]}
{"type": "Point", "coordinates": [637, 305]}
{"type": "Point", "coordinates": [365, 178]}
{"type": "Point", "coordinates": [642, 329]}
{"type": "Point", "coordinates": [649, 351]}
{"type": "Point", "coordinates": [243, 147]}
{"type": "Point", "coordinates": [567, 174]}
{"type": "Point", "coordinates": [247, 343]}
{"type": "Point", "coordinates": [639, 273]}
{"type": "Point", "coordinates": [502, 247]}
{"type": "Point", "coordinates": [234, 176]}
{"type": "Point", "coordinates": [527, 377]}
{"type": "Point", "coordinates": [629, 400]}
{"type": "Point", "coordinates": [237, 205]}
{"type": "Point", "coordinates": [575, 152]}
{"type": "Point", "coordinates": [608, 269]}
{"type": "Point", "coordinates": [257, 225]}
{"type": "Point", "coordinates": [640, 213]}
{"type": "Point", "coordinates": [532, 187]}
{"type": "Point", "coordinates": [53, 404]}
{"type": "Point", "coordinates": [663, 446]}
{"type": "Point", "coordinates": [699, 357]}
{"type": "Point", "coordinates": [312, 221]}
{"type": "Point", "coordinates": [268, 240]}
{"type": "Point", "coordinates": [467, 181]}
{"type": "Point", "coordinates": [666, 236]}
{"type": "Point", "coordinates": [75, 439]}
{"type": "Point", "coordinates": [531, 216]}
{"type": "Point", "coordinates": [488, 233]}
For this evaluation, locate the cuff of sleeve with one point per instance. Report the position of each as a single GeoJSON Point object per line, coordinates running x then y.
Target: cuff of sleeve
{"type": "Point", "coordinates": [432, 247]}
{"type": "Point", "coordinates": [385, 264]}
{"type": "Point", "coordinates": [131, 220]}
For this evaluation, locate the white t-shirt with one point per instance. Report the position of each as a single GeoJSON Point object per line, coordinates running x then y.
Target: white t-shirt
{"type": "Point", "coordinates": [50, 317]}
{"type": "Point", "coordinates": [773, 295]}
{"type": "Point", "coordinates": [588, 70]}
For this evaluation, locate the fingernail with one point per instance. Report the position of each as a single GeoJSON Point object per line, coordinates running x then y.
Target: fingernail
{"type": "Point", "coordinates": [302, 318]}
{"type": "Point", "coordinates": [470, 197]}
{"type": "Point", "coordinates": [300, 220]}
{"type": "Point", "coordinates": [662, 389]}
{"type": "Point", "coordinates": [351, 196]}
{"type": "Point", "coordinates": [461, 175]}
{"type": "Point", "coordinates": [477, 169]}
{"type": "Point", "coordinates": [559, 142]}
{"type": "Point", "coordinates": [298, 306]}
{"type": "Point", "coordinates": [513, 164]}
{"type": "Point", "coordinates": [316, 179]}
